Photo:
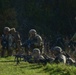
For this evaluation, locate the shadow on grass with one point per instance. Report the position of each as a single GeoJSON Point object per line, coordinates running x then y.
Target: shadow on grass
{"type": "Point", "coordinates": [32, 66]}
{"type": "Point", "coordinates": [35, 67]}
{"type": "Point", "coordinates": [7, 61]}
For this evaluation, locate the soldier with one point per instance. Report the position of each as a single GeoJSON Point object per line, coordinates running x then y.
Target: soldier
{"type": "Point", "coordinates": [16, 39]}
{"type": "Point", "coordinates": [41, 58]}
{"type": "Point", "coordinates": [38, 57]}
{"type": "Point", "coordinates": [10, 43]}
{"type": "Point", "coordinates": [59, 57]}
{"type": "Point", "coordinates": [5, 41]}
{"type": "Point", "coordinates": [35, 41]}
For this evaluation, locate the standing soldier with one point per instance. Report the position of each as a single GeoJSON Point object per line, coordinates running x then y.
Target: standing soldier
{"type": "Point", "coordinates": [10, 43]}
{"type": "Point", "coordinates": [16, 39]}
{"type": "Point", "coordinates": [35, 41]}
{"type": "Point", "coordinates": [5, 41]}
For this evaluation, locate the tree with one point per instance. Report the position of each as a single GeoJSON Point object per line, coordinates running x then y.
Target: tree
{"type": "Point", "coordinates": [7, 15]}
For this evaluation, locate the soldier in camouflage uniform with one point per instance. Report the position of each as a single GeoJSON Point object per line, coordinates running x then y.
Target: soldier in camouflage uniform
{"type": "Point", "coordinates": [59, 57]}
{"type": "Point", "coordinates": [41, 58]}
{"type": "Point", "coordinates": [5, 41]}
{"type": "Point", "coordinates": [35, 41]}
{"type": "Point", "coordinates": [38, 57]}
{"type": "Point", "coordinates": [16, 40]}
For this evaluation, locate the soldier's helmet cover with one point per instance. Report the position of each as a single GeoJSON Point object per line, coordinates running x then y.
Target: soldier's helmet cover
{"type": "Point", "coordinates": [13, 29]}
{"type": "Point", "coordinates": [36, 51]}
{"type": "Point", "coordinates": [32, 30]}
{"type": "Point", "coordinates": [57, 49]}
{"type": "Point", "coordinates": [6, 29]}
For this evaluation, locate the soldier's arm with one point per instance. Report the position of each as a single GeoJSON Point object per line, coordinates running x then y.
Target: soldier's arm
{"type": "Point", "coordinates": [18, 36]}
{"type": "Point", "coordinates": [39, 41]}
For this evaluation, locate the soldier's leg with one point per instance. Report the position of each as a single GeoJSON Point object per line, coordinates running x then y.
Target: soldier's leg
{"type": "Point", "coordinates": [18, 47]}
{"type": "Point", "coordinates": [3, 52]}
{"type": "Point", "coordinates": [9, 52]}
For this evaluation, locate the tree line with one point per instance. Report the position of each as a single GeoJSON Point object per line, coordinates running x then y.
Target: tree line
{"type": "Point", "coordinates": [46, 16]}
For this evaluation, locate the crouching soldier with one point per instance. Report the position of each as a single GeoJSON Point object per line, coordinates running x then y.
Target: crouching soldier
{"type": "Point", "coordinates": [34, 41]}
{"type": "Point", "coordinates": [59, 57]}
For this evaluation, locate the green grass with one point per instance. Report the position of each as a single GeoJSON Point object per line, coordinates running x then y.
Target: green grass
{"type": "Point", "coordinates": [8, 67]}
{"type": "Point", "coordinates": [60, 69]}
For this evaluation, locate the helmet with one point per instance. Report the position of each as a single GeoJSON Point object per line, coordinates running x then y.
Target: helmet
{"type": "Point", "coordinates": [58, 49]}
{"type": "Point", "coordinates": [13, 29]}
{"type": "Point", "coordinates": [6, 29]}
{"type": "Point", "coordinates": [32, 30]}
{"type": "Point", "coordinates": [36, 51]}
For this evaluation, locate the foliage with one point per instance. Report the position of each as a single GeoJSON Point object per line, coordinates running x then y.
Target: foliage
{"type": "Point", "coordinates": [7, 15]}
{"type": "Point", "coordinates": [8, 67]}
{"type": "Point", "coordinates": [60, 69]}
{"type": "Point", "coordinates": [47, 16]}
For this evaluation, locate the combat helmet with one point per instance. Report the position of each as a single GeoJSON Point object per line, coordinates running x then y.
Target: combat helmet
{"type": "Point", "coordinates": [7, 29]}
{"type": "Point", "coordinates": [57, 49]}
{"type": "Point", "coordinates": [36, 51]}
{"type": "Point", "coordinates": [32, 30]}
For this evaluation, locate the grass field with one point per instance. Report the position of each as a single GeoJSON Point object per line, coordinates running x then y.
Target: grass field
{"type": "Point", "coordinates": [9, 67]}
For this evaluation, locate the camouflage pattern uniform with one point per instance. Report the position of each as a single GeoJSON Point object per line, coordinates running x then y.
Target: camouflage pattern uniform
{"type": "Point", "coordinates": [5, 41]}
{"type": "Point", "coordinates": [59, 57]}
{"type": "Point", "coordinates": [35, 41]}
{"type": "Point", "coordinates": [37, 55]}
{"type": "Point", "coordinates": [41, 58]}
{"type": "Point", "coordinates": [16, 39]}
